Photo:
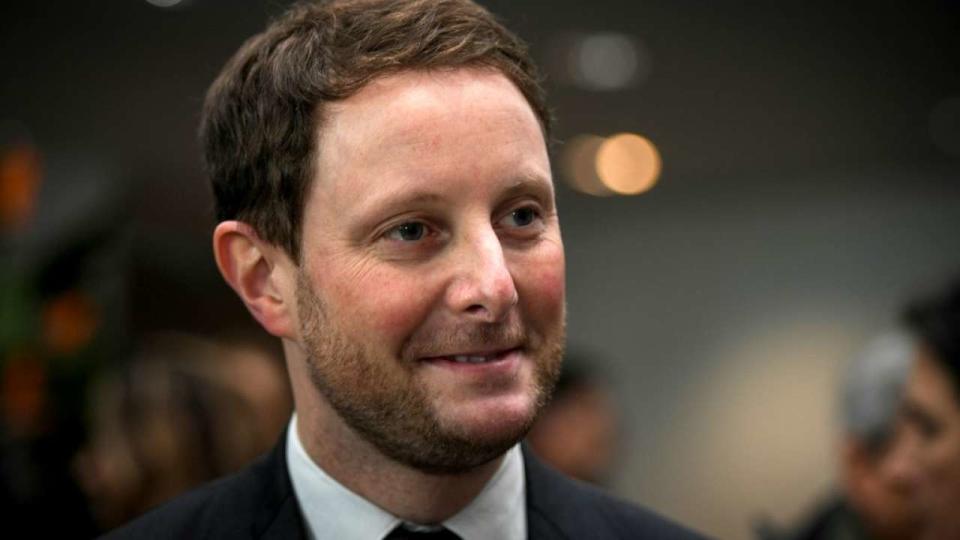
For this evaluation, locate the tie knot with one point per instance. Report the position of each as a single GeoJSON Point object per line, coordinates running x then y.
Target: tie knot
{"type": "Point", "coordinates": [401, 532]}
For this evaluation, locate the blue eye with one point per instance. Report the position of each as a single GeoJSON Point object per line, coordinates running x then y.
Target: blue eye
{"type": "Point", "coordinates": [408, 232]}
{"type": "Point", "coordinates": [523, 217]}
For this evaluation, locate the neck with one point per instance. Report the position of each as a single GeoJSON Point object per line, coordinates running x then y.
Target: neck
{"type": "Point", "coordinates": [403, 491]}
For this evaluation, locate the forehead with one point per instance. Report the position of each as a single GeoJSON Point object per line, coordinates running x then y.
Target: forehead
{"type": "Point", "coordinates": [440, 122]}
{"type": "Point", "coordinates": [389, 99]}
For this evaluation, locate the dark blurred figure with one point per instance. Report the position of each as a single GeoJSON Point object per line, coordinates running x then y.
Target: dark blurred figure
{"type": "Point", "coordinates": [932, 411]}
{"type": "Point", "coordinates": [577, 432]}
{"type": "Point", "coordinates": [61, 319]}
{"type": "Point", "coordinates": [183, 412]}
{"type": "Point", "coordinates": [875, 500]}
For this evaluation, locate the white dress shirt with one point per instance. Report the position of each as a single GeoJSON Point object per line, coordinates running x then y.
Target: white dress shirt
{"type": "Point", "coordinates": [333, 512]}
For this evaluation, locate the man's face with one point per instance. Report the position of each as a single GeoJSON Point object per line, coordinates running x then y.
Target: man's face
{"type": "Point", "coordinates": [932, 416]}
{"type": "Point", "coordinates": [880, 484]}
{"type": "Point", "coordinates": [431, 289]}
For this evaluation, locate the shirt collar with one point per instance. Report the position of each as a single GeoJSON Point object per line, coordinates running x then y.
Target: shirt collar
{"type": "Point", "coordinates": [500, 510]}
{"type": "Point", "coordinates": [332, 511]}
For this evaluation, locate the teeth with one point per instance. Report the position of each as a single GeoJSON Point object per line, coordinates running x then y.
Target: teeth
{"type": "Point", "coordinates": [469, 359]}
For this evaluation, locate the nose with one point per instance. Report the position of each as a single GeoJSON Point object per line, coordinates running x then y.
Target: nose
{"type": "Point", "coordinates": [900, 464]}
{"type": "Point", "coordinates": [482, 288]}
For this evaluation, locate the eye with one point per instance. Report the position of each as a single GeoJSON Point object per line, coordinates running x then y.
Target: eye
{"type": "Point", "coordinates": [521, 217]}
{"type": "Point", "coordinates": [410, 231]}
{"type": "Point", "coordinates": [925, 424]}
{"type": "Point", "coordinates": [929, 428]}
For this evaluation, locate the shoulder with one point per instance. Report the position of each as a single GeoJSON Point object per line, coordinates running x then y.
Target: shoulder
{"type": "Point", "coordinates": [247, 504]}
{"type": "Point", "coordinates": [560, 507]}
{"type": "Point", "coordinates": [180, 518]}
{"type": "Point", "coordinates": [831, 518]}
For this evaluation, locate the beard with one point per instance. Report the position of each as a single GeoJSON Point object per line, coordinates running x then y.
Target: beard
{"type": "Point", "coordinates": [383, 400]}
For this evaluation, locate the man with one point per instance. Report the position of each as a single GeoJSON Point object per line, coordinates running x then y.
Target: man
{"type": "Point", "coordinates": [932, 411]}
{"type": "Point", "coordinates": [386, 208]}
{"type": "Point", "coordinates": [875, 499]}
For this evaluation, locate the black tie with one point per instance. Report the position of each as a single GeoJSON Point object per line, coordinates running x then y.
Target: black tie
{"type": "Point", "coordinates": [403, 533]}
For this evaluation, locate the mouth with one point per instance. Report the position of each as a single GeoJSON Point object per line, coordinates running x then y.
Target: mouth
{"type": "Point", "coordinates": [474, 357]}
{"type": "Point", "coordinates": [487, 369]}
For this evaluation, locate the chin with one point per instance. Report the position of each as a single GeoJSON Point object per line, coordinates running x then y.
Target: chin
{"type": "Point", "coordinates": [494, 421]}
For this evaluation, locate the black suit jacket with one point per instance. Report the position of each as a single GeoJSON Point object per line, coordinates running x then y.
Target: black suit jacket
{"type": "Point", "coordinates": [259, 503]}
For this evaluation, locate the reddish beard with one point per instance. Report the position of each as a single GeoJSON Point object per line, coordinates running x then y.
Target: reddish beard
{"type": "Point", "coordinates": [383, 401]}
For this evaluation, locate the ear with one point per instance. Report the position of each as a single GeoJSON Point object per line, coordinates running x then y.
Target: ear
{"type": "Point", "coordinates": [260, 273]}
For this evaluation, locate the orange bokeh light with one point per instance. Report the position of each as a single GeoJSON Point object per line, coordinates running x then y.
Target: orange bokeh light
{"type": "Point", "coordinates": [20, 172]}
{"type": "Point", "coordinates": [628, 164]}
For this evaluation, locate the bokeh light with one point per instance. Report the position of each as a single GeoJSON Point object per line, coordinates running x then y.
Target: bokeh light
{"type": "Point", "coordinates": [579, 165]}
{"type": "Point", "coordinates": [20, 175]}
{"type": "Point", "coordinates": [164, 3]}
{"type": "Point", "coordinates": [628, 164]}
{"type": "Point", "coordinates": [605, 61]}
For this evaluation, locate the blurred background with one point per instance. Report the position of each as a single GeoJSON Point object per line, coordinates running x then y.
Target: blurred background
{"type": "Point", "coordinates": [748, 192]}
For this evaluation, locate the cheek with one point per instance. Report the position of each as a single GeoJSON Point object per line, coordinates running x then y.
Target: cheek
{"type": "Point", "coordinates": [543, 285]}
{"type": "Point", "coordinates": [384, 303]}
{"type": "Point", "coordinates": [950, 455]}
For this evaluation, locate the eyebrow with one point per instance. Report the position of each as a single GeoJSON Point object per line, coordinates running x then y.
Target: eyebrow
{"type": "Point", "coordinates": [380, 204]}
{"type": "Point", "coordinates": [522, 183]}
{"type": "Point", "coordinates": [529, 182]}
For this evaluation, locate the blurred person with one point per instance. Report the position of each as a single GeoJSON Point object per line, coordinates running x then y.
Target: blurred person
{"type": "Point", "coordinates": [60, 319]}
{"type": "Point", "coordinates": [875, 498]}
{"type": "Point", "coordinates": [577, 432]}
{"type": "Point", "coordinates": [184, 411]}
{"type": "Point", "coordinates": [932, 411]}
{"type": "Point", "coordinates": [258, 376]}
{"type": "Point", "coordinates": [387, 210]}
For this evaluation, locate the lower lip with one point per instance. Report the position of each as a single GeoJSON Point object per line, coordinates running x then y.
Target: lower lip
{"type": "Point", "coordinates": [505, 362]}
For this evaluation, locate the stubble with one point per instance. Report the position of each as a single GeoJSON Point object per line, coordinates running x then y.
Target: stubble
{"type": "Point", "coordinates": [384, 402]}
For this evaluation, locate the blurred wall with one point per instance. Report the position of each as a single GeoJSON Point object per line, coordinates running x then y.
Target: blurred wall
{"type": "Point", "coordinates": [808, 188]}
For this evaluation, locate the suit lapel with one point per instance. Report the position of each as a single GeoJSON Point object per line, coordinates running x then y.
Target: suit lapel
{"type": "Point", "coordinates": [546, 506]}
{"type": "Point", "coordinates": [287, 523]}
{"type": "Point", "coordinates": [279, 514]}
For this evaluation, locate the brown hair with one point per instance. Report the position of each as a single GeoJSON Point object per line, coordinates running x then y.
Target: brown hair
{"type": "Point", "coordinates": [262, 113]}
{"type": "Point", "coordinates": [935, 321]}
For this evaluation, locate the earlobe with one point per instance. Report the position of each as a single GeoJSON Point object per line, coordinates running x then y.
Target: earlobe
{"type": "Point", "coordinates": [256, 270]}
